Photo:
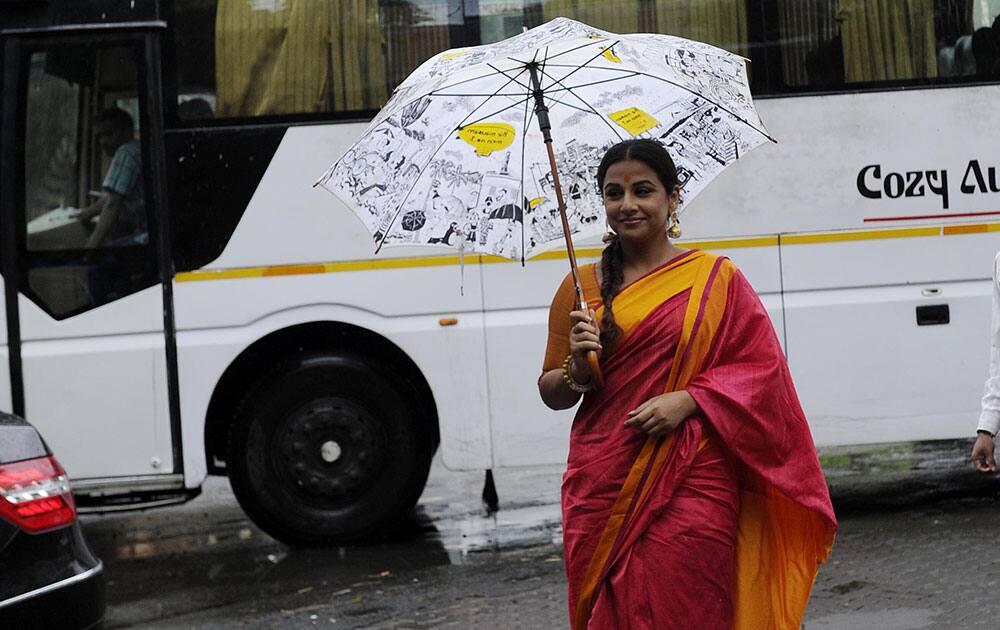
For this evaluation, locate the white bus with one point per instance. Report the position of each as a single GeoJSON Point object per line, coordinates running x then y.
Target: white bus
{"type": "Point", "coordinates": [230, 319]}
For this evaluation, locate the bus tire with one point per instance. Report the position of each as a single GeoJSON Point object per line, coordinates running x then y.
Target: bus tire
{"type": "Point", "coordinates": [328, 449]}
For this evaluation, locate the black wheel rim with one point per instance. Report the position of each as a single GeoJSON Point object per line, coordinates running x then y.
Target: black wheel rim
{"type": "Point", "coordinates": [328, 452]}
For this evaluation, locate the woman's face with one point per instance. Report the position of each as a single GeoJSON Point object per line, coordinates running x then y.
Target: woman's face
{"type": "Point", "coordinates": [636, 202]}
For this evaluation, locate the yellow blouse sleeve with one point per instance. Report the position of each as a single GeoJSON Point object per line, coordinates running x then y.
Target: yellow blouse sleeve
{"type": "Point", "coordinates": [564, 303]}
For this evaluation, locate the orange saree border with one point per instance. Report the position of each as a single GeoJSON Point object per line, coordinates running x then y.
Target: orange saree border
{"type": "Point", "coordinates": [639, 298]}
{"type": "Point", "coordinates": [709, 284]}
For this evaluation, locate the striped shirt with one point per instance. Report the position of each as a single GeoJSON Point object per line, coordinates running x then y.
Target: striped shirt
{"type": "Point", "coordinates": [124, 177]}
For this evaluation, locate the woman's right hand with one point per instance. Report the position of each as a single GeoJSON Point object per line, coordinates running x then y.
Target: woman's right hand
{"type": "Point", "coordinates": [583, 337]}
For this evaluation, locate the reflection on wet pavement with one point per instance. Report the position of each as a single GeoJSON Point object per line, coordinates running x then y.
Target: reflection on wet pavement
{"type": "Point", "coordinates": [206, 555]}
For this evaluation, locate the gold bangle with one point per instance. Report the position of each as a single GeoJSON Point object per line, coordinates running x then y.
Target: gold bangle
{"type": "Point", "coordinates": [571, 382]}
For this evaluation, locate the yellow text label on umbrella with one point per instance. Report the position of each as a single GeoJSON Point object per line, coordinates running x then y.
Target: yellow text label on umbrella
{"type": "Point", "coordinates": [634, 120]}
{"type": "Point", "coordinates": [488, 137]}
{"type": "Point", "coordinates": [453, 54]}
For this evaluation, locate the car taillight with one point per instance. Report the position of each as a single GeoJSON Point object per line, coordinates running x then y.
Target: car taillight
{"type": "Point", "coordinates": [35, 494]}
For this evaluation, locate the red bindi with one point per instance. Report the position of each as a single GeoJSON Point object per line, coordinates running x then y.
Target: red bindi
{"type": "Point", "coordinates": [628, 178]}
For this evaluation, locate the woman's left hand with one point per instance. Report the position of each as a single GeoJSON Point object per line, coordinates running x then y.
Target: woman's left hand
{"type": "Point", "coordinates": [660, 415]}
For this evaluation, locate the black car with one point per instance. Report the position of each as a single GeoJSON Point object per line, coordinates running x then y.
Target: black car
{"type": "Point", "coordinates": [48, 576]}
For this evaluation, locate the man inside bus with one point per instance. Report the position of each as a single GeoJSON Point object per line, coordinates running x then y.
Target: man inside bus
{"type": "Point", "coordinates": [120, 210]}
{"type": "Point", "coordinates": [989, 419]}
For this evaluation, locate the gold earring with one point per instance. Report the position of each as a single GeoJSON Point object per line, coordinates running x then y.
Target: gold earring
{"type": "Point", "coordinates": [608, 232]}
{"type": "Point", "coordinates": [674, 229]}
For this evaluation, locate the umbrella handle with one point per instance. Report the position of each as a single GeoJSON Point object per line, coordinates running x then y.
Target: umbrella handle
{"type": "Point", "coordinates": [596, 376]}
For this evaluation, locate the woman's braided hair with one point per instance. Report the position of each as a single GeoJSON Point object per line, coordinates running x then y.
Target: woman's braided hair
{"type": "Point", "coordinates": [655, 156]}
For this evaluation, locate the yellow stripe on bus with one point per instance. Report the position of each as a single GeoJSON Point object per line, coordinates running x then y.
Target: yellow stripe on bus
{"type": "Point", "coordinates": [863, 235]}
{"type": "Point", "coordinates": [585, 252]}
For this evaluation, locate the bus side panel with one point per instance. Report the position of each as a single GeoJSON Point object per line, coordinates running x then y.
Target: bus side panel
{"type": "Point", "coordinates": [866, 371]}
{"type": "Point", "coordinates": [524, 431]}
{"type": "Point", "coordinates": [812, 178]}
{"type": "Point", "coordinates": [212, 333]}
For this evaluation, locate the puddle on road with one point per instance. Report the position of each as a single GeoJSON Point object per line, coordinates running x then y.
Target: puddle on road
{"type": "Point", "coordinates": [145, 546]}
{"type": "Point", "coordinates": [207, 554]}
{"type": "Point", "coordinates": [895, 619]}
{"type": "Point", "coordinates": [510, 528]}
{"type": "Point", "coordinates": [438, 534]}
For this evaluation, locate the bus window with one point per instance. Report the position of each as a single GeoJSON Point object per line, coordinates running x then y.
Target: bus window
{"type": "Point", "coordinates": [830, 44]}
{"type": "Point", "coordinates": [243, 58]}
{"type": "Point", "coordinates": [270, 57]}
{"type": "Point", "coordinates": [240, 58]}
{"type": "Point", "coordinates": [721, 23]}
{"type": "Point", "coordinates": [85, 214]}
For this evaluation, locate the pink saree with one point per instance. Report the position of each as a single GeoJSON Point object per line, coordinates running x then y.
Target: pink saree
{"type": "Point", "coordinates": [724, 523]}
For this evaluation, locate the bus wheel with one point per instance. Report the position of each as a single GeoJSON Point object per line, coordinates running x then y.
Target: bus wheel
{"type": "Point", "coordinates": [327, 449]}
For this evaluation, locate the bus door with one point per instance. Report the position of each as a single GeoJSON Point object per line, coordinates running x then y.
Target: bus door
{"type": "Point", "coordinates": [82, 203]}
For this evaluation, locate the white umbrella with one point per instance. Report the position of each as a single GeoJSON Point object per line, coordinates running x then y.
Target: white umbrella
{"type": "Point", "coordinates": [465, 152]}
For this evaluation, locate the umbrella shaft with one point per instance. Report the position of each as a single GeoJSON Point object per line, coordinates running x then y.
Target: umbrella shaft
{"type": "Point", "coordinates": [570, 250]}
{"type": "Point", "coordinates": [541, 110]}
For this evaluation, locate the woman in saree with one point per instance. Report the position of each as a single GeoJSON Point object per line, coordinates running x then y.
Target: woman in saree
{"type": "Point", "coordinates": [693, 496]}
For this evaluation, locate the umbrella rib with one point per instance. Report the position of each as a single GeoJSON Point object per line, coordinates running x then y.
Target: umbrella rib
{"type": "Point", "coordinates": [550, 90]}
{"type": "Point", "coordinates": [488, 95]}
{"type": "Point", "coordinates": [524, 100]}
{"type": "Point", "coordinates": [579, 109]}
{"type": "Point", "coordinates": [514, 79]}
{"type": "Point", "coordinates": [720, 106]}
{"type": "Point", "coordinates": [445, 87]}
{"type": "Point", "coordinates": [592, 83]}
{"type": "Point", "coordinates": [586, 104]}
{"type": "Point", "coordinates": [524, 136]}
{"type": "Point", "coordinates": [683, 87]}
{"type": "Point", "coordinates": [571, 50]}
{"type": "Point", "coordinates": [463, 81]}
{"type": "Point", "coordinates": [545, 62]}
{"type": "Point", "coordinates": [583, 65]}
{"type": "Point", "coordinates": [499, 111]}
{"type": "Point", "coordinates": [447, 137]}
{"type": "Point", "coordinates": [568, 89]}
{"type": "Point", "coordinates": [528, 96]}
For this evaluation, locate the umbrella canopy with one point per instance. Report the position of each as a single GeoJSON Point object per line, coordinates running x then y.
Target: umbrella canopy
{"type": "Point", "coordinates": [459, 142]}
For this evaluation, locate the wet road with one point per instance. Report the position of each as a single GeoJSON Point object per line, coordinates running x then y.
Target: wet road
{"type": "Point", "coordinates": [916, 549]}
